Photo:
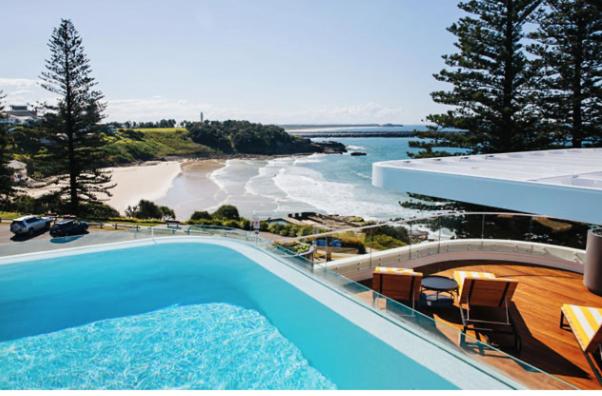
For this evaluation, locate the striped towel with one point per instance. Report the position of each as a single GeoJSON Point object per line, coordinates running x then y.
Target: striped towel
{"type": "Point", "coordinates": [584, 321]}
{"type": "Point", "coordinates": [459, 277]}
{"type": "Point", "coordinates": [394, 271]}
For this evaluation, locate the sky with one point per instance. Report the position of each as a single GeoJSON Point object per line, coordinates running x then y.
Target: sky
{"type": "Point", "coordinates": [270, 61]}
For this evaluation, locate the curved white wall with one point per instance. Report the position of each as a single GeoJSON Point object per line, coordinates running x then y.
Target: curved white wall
{"type": "Point", "coordinates": [415, 256]}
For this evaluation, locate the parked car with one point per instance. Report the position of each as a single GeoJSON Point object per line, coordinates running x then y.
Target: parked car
{"type": "Point", "coordinates": [29, 225]}
{"type": "Point", "coordinates": [67, 227]}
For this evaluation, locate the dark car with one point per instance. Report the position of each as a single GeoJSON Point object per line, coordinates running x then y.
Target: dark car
{"type": "Point", "coordinates": [67, 227]}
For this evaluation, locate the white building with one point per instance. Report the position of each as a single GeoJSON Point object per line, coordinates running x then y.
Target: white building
{"type": "Point", "coordinates": [19, 114]}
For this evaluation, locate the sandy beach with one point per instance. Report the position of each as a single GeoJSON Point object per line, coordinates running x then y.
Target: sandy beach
{"type": "Point", "coordinates": [150, 180]}
{"type": "Point", "coordinates": [194, 189]}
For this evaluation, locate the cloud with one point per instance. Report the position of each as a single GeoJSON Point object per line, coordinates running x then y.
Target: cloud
{"type": "Point", "coordinates": [157, 108]}
{"type": "Point", "coordinates": [23, 90]}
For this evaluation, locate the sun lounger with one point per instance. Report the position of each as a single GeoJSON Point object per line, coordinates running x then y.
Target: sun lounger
{"type": "Point", "coordinates": [484, 292]}
{"type": "Point", "coordinates": [586, 325]}
{"type": "Point", "coordinates": [397, 283]}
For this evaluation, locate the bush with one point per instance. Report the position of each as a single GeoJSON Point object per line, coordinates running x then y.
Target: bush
{"type": "Point", "coordinates": [168, 213]}
{"type": "Point", "coordinates": [98, 211]}
{"type": "Point", "coordinates": [200, 215]}
{"type": "Point", "coordinates": [231, 223]}
{"type": "Point", "coordinates": [399, 233]}
{"type": "Point", "coordinates": [149, 210]}
{"type": "Point", "coordinates": [351, 240]}
{"type": "Point", "coordinates": [245, 224]}
{"type": "Point", "coordinates": [383, 242]}
{"type": "Point", "coordinates": [226, 212]}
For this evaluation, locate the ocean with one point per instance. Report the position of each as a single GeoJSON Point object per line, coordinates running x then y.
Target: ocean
{"type": "Point", "coordinates": [327, 183]}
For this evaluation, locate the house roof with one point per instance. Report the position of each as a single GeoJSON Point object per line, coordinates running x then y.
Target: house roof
{"type": "Point", "coordinates": [559, 183]}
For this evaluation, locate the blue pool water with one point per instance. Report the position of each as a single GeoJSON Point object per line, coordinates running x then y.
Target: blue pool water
{"type": "Point", "coordinates": [182, 315]}
{"type": "Point", "coordinates": [202, 346]}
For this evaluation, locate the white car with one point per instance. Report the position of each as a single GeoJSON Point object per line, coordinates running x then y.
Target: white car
{"type": "Point", "coordinates": [29, 225]}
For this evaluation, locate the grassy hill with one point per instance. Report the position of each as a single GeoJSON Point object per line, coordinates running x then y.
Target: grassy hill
{"type": "Point", "coordinates": [131, 145]}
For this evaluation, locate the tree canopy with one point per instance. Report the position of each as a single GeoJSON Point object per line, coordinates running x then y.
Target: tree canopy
{"type": "Point", "coordinates": [568, 61]}
{"type": "Point", "coordinates": [6, 174]}
{"type": "Point", "coordinates": [489, 75]}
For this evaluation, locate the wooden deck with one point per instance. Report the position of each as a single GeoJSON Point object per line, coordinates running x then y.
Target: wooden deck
{"type": "Point", "coordinates": [536, 310]}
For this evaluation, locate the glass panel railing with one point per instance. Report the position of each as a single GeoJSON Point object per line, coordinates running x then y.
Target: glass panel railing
{"type": "Point", "coordinates": [481, 355]}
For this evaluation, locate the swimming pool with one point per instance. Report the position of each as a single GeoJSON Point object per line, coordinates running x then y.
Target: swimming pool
{"type": "Point", "coordinates": [200, 313]}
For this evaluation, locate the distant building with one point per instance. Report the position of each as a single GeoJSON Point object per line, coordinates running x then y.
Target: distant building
{"type": "Point", "coordinates": [202, 117]}
{"type": "Point", "coordinates": [19, 114]}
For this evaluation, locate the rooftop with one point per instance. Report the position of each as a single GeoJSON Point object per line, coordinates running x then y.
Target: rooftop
{"type": "Point", "coordinates": [562, 183]}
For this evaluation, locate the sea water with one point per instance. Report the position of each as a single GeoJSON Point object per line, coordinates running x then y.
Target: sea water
{"type": "Point", "coordinates": [328, 183]}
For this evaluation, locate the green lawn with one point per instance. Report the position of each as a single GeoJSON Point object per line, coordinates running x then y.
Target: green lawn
{"type": "Point", "coordinates": [9, 215]}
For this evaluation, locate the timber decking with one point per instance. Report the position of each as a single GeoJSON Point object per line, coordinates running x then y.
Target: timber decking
{"type": "Point", "coordinates": [540, 294]}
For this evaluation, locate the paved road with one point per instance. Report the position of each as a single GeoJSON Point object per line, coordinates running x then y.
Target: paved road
{"type": "Point", "coordinates": [9, 246]}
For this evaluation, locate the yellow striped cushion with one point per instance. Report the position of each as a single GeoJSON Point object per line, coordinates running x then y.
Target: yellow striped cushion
{"type": "Point", "coordinates": [459, 277]}
{"type": "Point", "coordinates": [393, 270]}
{"type": "Point", "coordinates": [584, 321]}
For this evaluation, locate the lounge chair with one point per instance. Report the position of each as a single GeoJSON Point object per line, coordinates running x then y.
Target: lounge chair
{"type": "Point", "coordinates": [586, 325]}
{"type": "Point", "coordinates": [397, 283]}
{"type": "Point", "coordinates": [483, 292]}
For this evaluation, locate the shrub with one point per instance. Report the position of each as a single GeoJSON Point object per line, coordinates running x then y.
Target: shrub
{"type": "Point", "coordinates": [399, 233]}
{"type": "Point", "coordinates": [53, 203]}
{"type": "Point", "coordinates": [200, 215]}
{"type": "Point", "coordinates": [231, 223]}
{"type": "Point", "coordinates": [98, 210]}
{"type": "Point", "coordinates": [226, 212]}
{"type": "Point", "coordinates": [168, 213]}
{"type": "Point", "coordinates": [245, 224]}
{"type": "Point", "coordinates": [383, 242]}
{"type": "Point", "coordinates": [149, 210]}
{"type": "Point", "coordinates": [352, 240]}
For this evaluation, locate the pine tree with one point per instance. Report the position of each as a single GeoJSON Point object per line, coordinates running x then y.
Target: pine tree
{"type": "Point", "coordinates": [490, 79]}
{"type": "Point", "coordinates": [6, 173]}
{"type": "Point", "coordinates": [76, 140]}
{"type": "Point", "coordinates": [568, 59]}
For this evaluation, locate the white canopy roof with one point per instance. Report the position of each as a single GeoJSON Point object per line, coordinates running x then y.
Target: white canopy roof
{"type": "Point", "coordinates": [560, 183]}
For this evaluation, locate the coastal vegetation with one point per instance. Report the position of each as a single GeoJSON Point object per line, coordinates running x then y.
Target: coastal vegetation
{"type": "Point", "coordinates": [133, 145]}
{"type": "Point", "coordinates": [244, 137]}
{"type": "Point", "coordinates": [54, 203]}
{"type": "Point", "coordinates": [6, 182]}
{"type": "Point", "coordinates": [149, 210]}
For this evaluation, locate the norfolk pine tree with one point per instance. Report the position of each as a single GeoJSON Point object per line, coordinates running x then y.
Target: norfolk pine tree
{"type": "Point", "coordinates": [489, 76]}
{"type": "Point", "coordinates": [72, 126]}
{"type": "Point", "coordinates": [568, 61]}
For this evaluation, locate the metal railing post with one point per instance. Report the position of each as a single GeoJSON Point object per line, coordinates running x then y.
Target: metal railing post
{"type": "Point", "coordinates": [482, 226]}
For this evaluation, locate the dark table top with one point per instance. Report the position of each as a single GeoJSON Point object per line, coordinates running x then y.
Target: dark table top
{"type": "Point", "coordinates": [439, 283]}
